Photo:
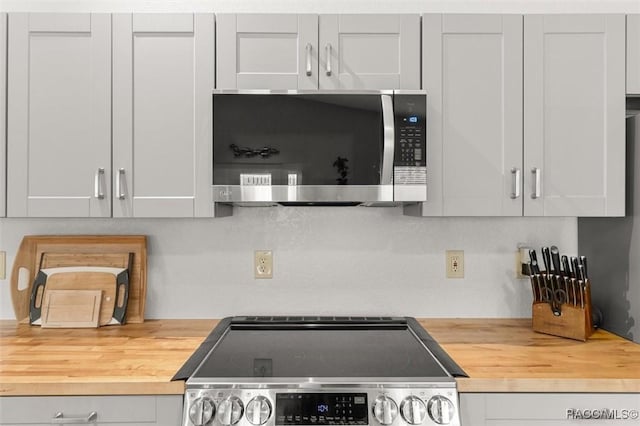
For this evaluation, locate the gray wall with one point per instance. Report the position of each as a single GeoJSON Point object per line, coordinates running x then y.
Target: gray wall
{"type": "Point", "coordinates": [326, 261]}
{"type": "Point", "coordinates": [613, 248]}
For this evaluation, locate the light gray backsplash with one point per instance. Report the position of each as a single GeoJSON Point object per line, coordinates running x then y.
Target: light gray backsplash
{"type": "Point", "coordinates": [351, 260]}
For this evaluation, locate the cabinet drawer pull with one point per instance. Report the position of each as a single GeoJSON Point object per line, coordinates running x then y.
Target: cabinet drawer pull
{"type": "Point", "coordinates": [60, 419]}
{"type": "Point", "coordinates": [515, 191]}
{"type": "Point", "coordinates": [328, 48]}
{"type": "Point", "coordinates": [119, 190]}
{"type": "Point", "coordinates": [308, 48]}
{"type": "Point", "coordinates": [97, 187]}
{"type": "Point", "coordinates": [536, 183]}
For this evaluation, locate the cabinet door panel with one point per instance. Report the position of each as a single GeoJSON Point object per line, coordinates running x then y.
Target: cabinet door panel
{"type": "Point", "coordinates": [59, 115]}
{"type": "Point", "coordinates": [369, 51]}
{"type": "Point", "coordinates": [261, 51]}
{"type": "Point", "coordinates": [160, 410]}
{"type": "Point", "coordinates": [472, 72]}
{"type": "Point", "coordinates": [574, 114]}
{"type": "Point", "coordinates": [163, 77]}
{"type": "Point", "coordinates": [633, 54]}
{"type": "Point", "coordinates": [3, 126]}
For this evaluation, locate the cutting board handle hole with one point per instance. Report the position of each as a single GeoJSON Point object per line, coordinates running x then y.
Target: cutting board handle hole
{"type": "Point", "coordinates": [120, 301]}
{"type": "Point", "coordinates": [24, 278]}
{"type": "Point", "coordinates": [39, 296]}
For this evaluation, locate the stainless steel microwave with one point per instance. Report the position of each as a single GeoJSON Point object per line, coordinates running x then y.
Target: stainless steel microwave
{"type": "Point", "coordinates": [319, 148]}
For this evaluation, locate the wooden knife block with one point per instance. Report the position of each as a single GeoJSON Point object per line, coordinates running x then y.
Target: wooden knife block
{"type": "Point", "coordinates": [574, 322]}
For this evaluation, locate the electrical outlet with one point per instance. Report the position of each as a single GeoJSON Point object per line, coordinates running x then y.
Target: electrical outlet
{"type": "Point", "coordinates": [3, 265]}
{"type": "Point", "coordinates": [455, 264]}
{"type": "Point", "coordinates": [263, 264]}
{"type": "Point", "coordinates": [522, 259]}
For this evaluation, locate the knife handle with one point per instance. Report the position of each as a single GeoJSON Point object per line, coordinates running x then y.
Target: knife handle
{"type": "Point", "coordinates": [581, 271]}
{"type": "Point", "coordinates": [574, 265]}
{"type": "Point", "coordinates": [555, 257]}
{"type": "Point", "coordinates": [533, 283]}
{"type": "Point", "coordinates": [546, 258]}
{"type": "Point", "coordinates": [583, 262]}
{"type": "Point", "coordinates": [533, 267]}
{"type": "Point", "coordinates": [565, 266]}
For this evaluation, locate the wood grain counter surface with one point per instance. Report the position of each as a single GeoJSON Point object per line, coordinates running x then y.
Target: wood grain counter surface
{"type": "Point", "coordinates": [499, 355]}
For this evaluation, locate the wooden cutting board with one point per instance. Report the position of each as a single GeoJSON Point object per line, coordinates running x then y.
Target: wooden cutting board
{"type": "Point", "coordinates": [77, 278]}
{"type": "Point", "coordinates": [71, 308]}
{"type": "Point", "coordinates": [80, 250]}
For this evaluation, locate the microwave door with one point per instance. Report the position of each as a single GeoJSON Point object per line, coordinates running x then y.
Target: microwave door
{"type": "Point", "coordinates": [303, 148]}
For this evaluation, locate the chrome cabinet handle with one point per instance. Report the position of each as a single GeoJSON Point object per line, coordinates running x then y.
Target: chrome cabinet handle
{"type": "Point", "coordinates": [119, 190]}
{"type": "Point", "coordinates": [515, 189]}
{"type": "Point", "coordinates": [388, 141]}
{"type": "Point", "coordinates": [328, 48]}
{"type": "Point", "coordinates": [308, 58]}
{"type": "Point", "coordinates": [536, 183]}
{"type": "Point", "coordinates": [97, 190]}
{"type": "Point", "coordinates": [60, 419]}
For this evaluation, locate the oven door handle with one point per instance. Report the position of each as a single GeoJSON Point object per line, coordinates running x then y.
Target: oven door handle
{"type": "Point", "coordinates": [388, 140]}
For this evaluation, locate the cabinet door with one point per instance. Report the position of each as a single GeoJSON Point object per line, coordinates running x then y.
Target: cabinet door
{"type": "Point", "coordinates": [544, 409]}
{"type": "Point", "coordinates": [3, 116]}
{"type": "Point", "coordinates": [59, 115]}
{"type": "Point", "coordinates": [133, 410]}
{"type": "Point", "coordinates": [574, 109]}
{"type": "Point", "coordinates": [267, 51]}
{"type": "Point", "coordinates": [369, 51]}
{"type": "Point", "coordinates": [472, 409]}
{"type": "Point", "coordinates": [633, 54]}
{"type": "Point", "coordinates": [163, 74]}
{"type": "Point", "coordinates": [472, 72]}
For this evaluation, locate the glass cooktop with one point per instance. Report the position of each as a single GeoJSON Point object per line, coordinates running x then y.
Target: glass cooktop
{"type": "Point", "coordinates": [309, 352]}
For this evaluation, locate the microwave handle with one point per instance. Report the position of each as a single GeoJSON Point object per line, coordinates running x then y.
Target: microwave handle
{"type": "Point", "coordinates": [388, 141]}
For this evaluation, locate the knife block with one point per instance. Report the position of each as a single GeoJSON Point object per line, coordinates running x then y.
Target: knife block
{"type": "Point", "coordinates": [573, 321]}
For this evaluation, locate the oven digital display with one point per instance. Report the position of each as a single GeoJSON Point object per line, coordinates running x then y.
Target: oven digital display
{"type": "Point", "coordinates": [321, 409]}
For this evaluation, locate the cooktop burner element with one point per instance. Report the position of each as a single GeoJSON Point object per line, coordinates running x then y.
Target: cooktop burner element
{"type": "Point", "coordinates": [324, 371]}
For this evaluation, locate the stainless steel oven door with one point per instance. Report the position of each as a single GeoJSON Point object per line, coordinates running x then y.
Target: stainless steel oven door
{"type": "Point", "coordinates": [303, 147]}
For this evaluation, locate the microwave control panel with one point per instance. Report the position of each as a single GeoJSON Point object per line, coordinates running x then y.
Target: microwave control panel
{"type": "Point", "coordinates": [410, 123]}
{"type": "Point", "coordinates": [410, 157]}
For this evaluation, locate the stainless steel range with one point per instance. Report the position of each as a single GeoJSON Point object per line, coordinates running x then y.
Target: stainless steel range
{"type": "Point", "coordinates": [321, 371]}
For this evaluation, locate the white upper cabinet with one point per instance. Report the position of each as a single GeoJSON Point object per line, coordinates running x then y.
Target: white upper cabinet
{"type": "Point", "coordinates": [59, 115]}
{"type": "Point", "coordinates": [633, 54]}
{"type": "Point", "coordinates": [369, 51]}
{"type": "Point", "coordinates": [163, 74]}
{"type": "Point", "coordinates": [307, 52]}
{"type": "Point", "coordinates": [257, 51]}
{"type": "Point", "coordinates": [3, 98]}
{"type": "Point", "coordinates": [574, 112]}
{"type": "Point", "coordinates": [472, 73]}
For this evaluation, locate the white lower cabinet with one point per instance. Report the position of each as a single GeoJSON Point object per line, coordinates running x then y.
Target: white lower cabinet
{"type": "Point", "coordinates": [3, 115]}
{"type": "Point", "coordinates": [165, 410]}
{"type": "Point", "coordinates": [546, 409]}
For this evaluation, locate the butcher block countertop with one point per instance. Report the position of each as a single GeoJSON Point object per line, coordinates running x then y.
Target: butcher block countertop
{"type": "Point", "coordinates": [499, 355]}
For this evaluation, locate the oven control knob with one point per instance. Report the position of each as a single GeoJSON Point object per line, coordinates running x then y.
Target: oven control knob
{"type": "Point", "coordinates": [201, 411]}
{"type": "Point", "coordinates": [230, 411]}
{"type": "Point", "coordinates": [413, 410]}
{"type": "Point", "coordinates": [440, 410]}
{"type": "Point", "coordinates": [258, 410]}
{"type": "Point", "coordinates": [385, 410]}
